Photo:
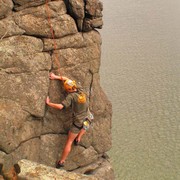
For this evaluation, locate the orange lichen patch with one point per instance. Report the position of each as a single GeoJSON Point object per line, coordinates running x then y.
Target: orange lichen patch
{"type": "Point", "coordinates": [10, 174]}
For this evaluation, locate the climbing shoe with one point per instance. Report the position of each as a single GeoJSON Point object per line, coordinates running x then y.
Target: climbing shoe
{"type": "Point", "coordinates": [59, 165]}
{"type": "Point", "coordinates": [76, 143]}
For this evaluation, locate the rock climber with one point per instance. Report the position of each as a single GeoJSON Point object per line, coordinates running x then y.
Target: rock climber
{"type": "Point", "coordinates": [77, 100]}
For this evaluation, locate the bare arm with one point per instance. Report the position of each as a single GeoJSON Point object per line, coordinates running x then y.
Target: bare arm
{"type": "Point", "coordinates": [53, 105]}
{"type": "Point", "coordinates": [53, 76]}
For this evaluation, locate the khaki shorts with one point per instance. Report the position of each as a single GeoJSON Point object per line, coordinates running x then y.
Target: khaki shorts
{"type": "Point", "coordinates": [74, 129]}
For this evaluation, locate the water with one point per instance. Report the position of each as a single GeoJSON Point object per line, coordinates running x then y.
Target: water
{"type": "Point", "coordinates": [140, 73]}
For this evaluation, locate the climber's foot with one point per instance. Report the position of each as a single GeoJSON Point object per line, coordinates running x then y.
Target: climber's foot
{"type": "Point", "coordinates": [59, 164]}
{"type": "Point", "coordinates": [76, 142]}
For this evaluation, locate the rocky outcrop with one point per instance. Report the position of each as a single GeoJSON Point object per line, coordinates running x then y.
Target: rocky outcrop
{"type": "Point", "coordinates": [31, 130]}
{"type": "Point", "coordinates": [31, 170]}
{"type": "Point", "coordinates": [87, 14]}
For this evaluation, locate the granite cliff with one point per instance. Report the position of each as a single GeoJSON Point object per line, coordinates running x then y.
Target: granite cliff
{"type": "Point", "coordinates": [29, 129]}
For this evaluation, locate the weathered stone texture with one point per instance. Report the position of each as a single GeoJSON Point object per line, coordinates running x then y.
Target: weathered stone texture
{"type": "Point", "coordinates": [87, 14]}
{"type": "Point", "coordinates": [94, 8]}
{"type": "Point", "coordinates": [5, 8]}
{"type": "Point", "coordinates": [100, 169]}
{"type": "Point", "coordinates": [22, 4]}
{"type": "Point", "coordinates": [93, 18]}
{"type": "Point", "coordinates": [29, 149]}
{"type": "Point", "coordinates": [31, 170]}
{"type": "Point", "coordinates": [28, 52]}
{"type": "Point", "coordinates": [35, 20]}
{"type": "Point", "coordinates": [77, 40]}
{"type": "Point", "coordinates": [76, 9]}
{"type": "Point", "coordinates": [9, 28]}
{"type": "Point", "coordinates": [89, 24]}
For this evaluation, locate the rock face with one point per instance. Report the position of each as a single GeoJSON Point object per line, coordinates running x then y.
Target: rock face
{"type": "Point", "coordinates": [29, 129]}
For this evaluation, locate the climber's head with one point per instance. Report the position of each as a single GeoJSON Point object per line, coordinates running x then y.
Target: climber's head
{"type": "Point", "coordinates": [70, 86]}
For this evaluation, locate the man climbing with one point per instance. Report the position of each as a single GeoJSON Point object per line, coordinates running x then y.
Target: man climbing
{"type": "Point", "coordinates": [77, 99]}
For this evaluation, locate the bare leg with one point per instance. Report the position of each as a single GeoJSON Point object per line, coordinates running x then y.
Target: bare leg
{"type": "Point", "coordinates": [67, 148]}
{"type": "Point", "coordinates": [80, 134]}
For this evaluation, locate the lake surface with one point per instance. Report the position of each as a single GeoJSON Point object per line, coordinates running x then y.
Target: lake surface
{"type": "Point", "coordinates": [140, 73]}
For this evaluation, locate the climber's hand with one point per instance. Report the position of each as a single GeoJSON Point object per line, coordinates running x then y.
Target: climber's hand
{"type": "Point", "coordinates": [47, 100]}
{"type": "Point", "coordinates": [52, 76]}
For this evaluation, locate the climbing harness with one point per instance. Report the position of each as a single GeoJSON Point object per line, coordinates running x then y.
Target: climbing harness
{"type": "Point", "coordinates": [79, 127]}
